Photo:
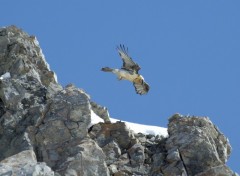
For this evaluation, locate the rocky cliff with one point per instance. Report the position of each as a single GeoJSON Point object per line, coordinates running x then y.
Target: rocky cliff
{"type": "Point", "coordinates": [45, 129]}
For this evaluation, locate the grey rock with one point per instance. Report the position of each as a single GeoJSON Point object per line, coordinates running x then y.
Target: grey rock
{"type": "Point", "coordinates": [44, 128]}
{"type": "Point", "coordinates": [157, 163]}
{"type": "Point", "coordinates": [104, 133]}
{"type": "Point", "coordinates": [194, 145]}
{"type": "Point", "coordinates": [141, 137]}
{"type": "Point", "coordinates": [123, 160]}
{"type": "Point", "coordinates": [175, 168]}
{"type": "Point", "coordinates": [101, 111]}
{"type": "Point", "coordinates": [221, 170]}
{"type": "Point", "coordinates": [173, 156]}
{"type": "Point", "coordinates": [135, 170]}
{"type": "Point", "coordinates": [112, 152]}
{"type": "Point", "coordinates": [112, 169]}
{"type": "Point", "coordinates": [64, 123]}
{"type": "Point", "coordinates": [36, 112]}
{"type": "Point", "coordinates": [89, 161]}
{"type": "Point", "coordinates": [136, 153]}
{"type": "Point", "coordinates": [21, 57]}
{"type": "Point", "coordinates": [24, 163]}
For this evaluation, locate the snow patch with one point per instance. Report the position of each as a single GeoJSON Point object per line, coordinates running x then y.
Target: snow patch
{"type": "Point", "coordinates": [94, 119]}
{"type": "Point", "coordinates": [136, 128]}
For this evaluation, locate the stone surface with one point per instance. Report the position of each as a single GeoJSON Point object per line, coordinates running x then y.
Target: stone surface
{"type": "Point", "coordinates": [136, 154]}
{"type": "Point", "coordinates": [128, 153]}
{"type": "Point", "coordinates": [221, 170]}
{"type": "Point", "coordinates": [37, 114]}
{"type": "Point", "coordinates": [194, 146]}
{"type": "Point", "coordinates": [112, 152]}
{"type": "Point", "coordinates": [24, 163]}
{"type": "Point", "coordinates": [101, 111]}
{"type": "Point", "coordinates": [23, 93]}
{"type": "Point", "coordinates": [44, 128]}
{"type": "Point", "coordinates": [88, 160]}
{"type": "Point", "coordinates": [104, 133]}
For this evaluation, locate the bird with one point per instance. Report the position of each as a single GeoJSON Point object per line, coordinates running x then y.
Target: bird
{"type": "Point", "coordinates": [129, 71]}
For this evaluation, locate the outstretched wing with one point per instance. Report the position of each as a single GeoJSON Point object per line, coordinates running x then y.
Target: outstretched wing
{"type": "Point", "coordinates": [141, 88]}
{"type": "Point", "coordinates": [128, 63]}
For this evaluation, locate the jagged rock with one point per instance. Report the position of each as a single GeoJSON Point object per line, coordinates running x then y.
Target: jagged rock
{"type": "Point", "coordinates": [158, 161]}
{"type": "Point", "coordinates": [59, 137]}
{"type": "Point", "coordinates": [123, 160]}
{"type": "Point", "coordinates": [36, 112]}
{"type": "Point", "coordinates": [141, 138]}
{"type": "Point", "coordinates": [194, 146]}
{"type": "Point", "coordinates": [112, 152]}
{"type": "Point", "coordinates": [112, 169]}
{"type": "Point", "coordinates": [173, 156]}
{"type": "Point", "coordinates": [101, 111]}
{"type": "Point", "coordinates": [134, 170]}
{"type": "Point", "coordinates": [175, 168]}
{"type": "Point", "coordinates": [44, 128]}
{"type": "Point", "coordinates": [105, 133]}
{"type": "Point", "coordinates": [88, 160]}
{"type": "Point", "coordinates": [23, 90]}
{"type": "Point", "coordinates": [222, 170]}
{"type": "Point", "coordinates": [132, 161]}
{"type": "Point", "coordinates": [136, 153]}
{"type": "Point", "coordinates": [24, 163]}
{"type": "Point", "coordinates": [21, 56]}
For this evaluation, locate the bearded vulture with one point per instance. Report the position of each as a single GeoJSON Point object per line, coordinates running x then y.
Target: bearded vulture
{"type": "Point", "coordinates": [129, 71]}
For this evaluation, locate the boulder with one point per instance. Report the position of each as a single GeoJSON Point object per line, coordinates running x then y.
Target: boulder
{"type": "Point", "coordinates": [194, 146]}
{"type": "Point", "coordinates": [88, 160]}
{"type": "Point", "coordinates": [24, 163]}
{"type": "Point", "coordinates": [105, 133]}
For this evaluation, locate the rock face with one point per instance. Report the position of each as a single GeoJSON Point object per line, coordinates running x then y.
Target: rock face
{"type": "Point", "coordinates": [195, 146]}
{"type": "Point", "coordinates": [24, 163]}
{"type": "Point", "coordinates": [44, 128]}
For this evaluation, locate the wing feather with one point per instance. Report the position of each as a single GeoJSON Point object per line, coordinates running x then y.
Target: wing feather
{"type": "Point", "coordinates": [141, 88]}
{"type": "Point", "coordinates": [128, 63]}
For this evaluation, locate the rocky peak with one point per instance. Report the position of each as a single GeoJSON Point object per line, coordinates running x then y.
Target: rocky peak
{"type": "Point", "coordinates": [45, 129]}
{"type": "Point", "coordinates": [21, 56]}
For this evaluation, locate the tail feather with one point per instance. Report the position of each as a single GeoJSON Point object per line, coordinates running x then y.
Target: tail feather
{"type": "Point", "coordinates": [107, 69]}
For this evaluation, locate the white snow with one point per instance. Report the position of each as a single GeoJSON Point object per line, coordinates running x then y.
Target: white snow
{"type": "Point", "coordinates": [94, 119]}
{"type": "Point", "coordinates": [137, 128]}
{"type": "Point", "coordinates": [5, 76]}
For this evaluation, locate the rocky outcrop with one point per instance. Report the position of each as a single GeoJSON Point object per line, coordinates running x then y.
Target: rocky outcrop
{"type": "Point", "coordinates": [194, 146]}
{"type": "Point", "coordinates": [45, 128]}
{"type": "Point", "coordinates": [40, 116]}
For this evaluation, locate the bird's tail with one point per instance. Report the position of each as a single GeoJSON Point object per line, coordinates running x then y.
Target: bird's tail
{"type": "Point", "coordinates": [107, 69]}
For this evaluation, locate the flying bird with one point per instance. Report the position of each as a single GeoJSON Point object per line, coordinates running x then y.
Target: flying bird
{"type": "Point", "coordinates": [129, 71]}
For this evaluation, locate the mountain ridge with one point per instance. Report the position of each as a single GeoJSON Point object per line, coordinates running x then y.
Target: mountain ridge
{"type": "Point", "coordinates": [44, 127]}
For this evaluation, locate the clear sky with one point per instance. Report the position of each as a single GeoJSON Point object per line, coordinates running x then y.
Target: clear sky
{"type": "Point", "coordinates": [189, 52]}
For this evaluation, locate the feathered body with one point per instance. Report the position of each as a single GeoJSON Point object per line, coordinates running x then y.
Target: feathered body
{"type": "Point", "coordinates": [129, 71]}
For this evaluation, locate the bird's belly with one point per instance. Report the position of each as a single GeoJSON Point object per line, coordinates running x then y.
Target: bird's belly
{"type": "Point", "coordinates": [126, 75]}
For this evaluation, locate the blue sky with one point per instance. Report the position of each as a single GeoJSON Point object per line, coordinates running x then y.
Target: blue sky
{"type": "Point", "coordinates": [189, 52]}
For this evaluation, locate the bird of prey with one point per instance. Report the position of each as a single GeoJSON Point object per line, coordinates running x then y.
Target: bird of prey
{"type": "Point", "coordinates": [129, 71]}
